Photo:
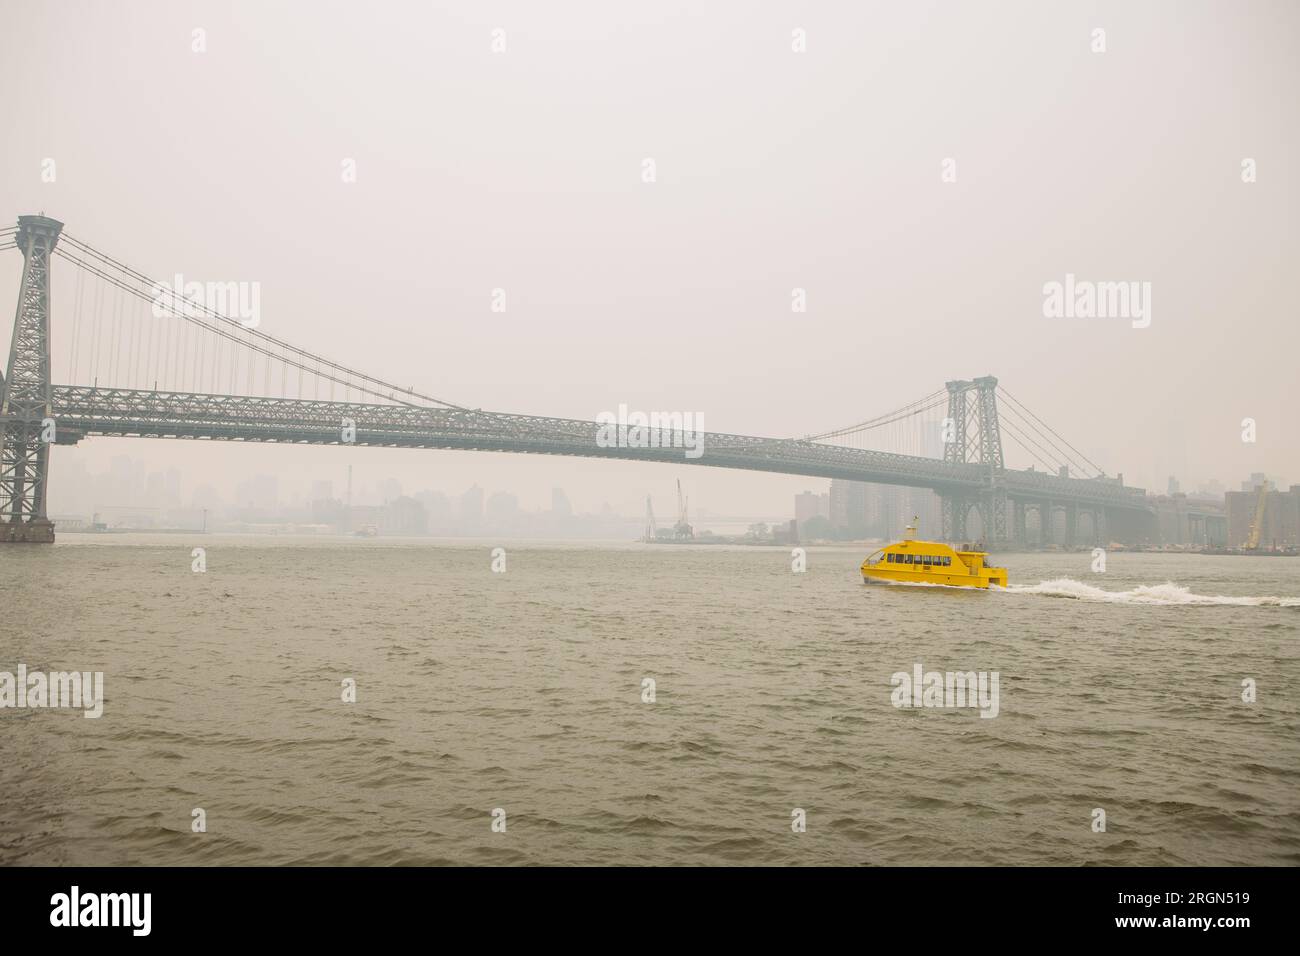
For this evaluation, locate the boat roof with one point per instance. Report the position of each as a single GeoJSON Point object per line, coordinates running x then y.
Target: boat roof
{"type": "Point", "coordinates": [946, 548]}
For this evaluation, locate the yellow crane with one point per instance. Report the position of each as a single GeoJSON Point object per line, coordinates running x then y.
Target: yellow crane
{"type": "Point", "coordinates": [1252, 540]}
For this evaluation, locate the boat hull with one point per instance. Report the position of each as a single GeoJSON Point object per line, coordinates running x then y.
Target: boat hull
{"type": "Point", "coordinates": [947, 580]}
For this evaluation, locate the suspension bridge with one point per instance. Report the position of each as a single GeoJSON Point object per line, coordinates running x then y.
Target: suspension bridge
{"type": "Point", "coordinates": [153, 362]}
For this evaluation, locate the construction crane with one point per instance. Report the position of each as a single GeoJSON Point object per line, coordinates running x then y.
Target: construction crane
{"type": "Point", "coordinates": [682, 529]}
{"type": "Point", "coordinates": [1256, 526]}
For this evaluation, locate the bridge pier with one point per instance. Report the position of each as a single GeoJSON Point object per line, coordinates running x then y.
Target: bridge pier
{"type": "Point", "coordinates": [1019, 528]}
{"type": "Point", "coordinates": [954, 509]}
{"type": "Point", "coordinates": [993, 518]}
{"type": "Point", "coordinates": [1098, 527]}
{"type": "Point", "coordinates": [38, 531]}
{"type": "Point", "coordinates": [25, 394]}
{"type": "Point", "coordinates": [997, 514]}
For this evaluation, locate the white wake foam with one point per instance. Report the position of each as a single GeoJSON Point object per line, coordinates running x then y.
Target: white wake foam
{"type": "Point", "coordinates": [1167, 593]}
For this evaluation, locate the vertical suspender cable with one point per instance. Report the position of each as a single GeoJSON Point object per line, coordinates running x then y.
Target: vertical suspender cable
{"type": "Point", "coordinates": [76, 324]}
{"type": "Point", "coordinates": [133, 353]}
{"type": "Point", "coordinates": [115, 343]}
{"type": "Point", "coordinates": [94, 352]}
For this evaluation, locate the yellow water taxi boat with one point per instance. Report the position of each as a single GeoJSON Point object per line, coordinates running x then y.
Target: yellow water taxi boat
{"type": "Point", "coordinates": [929, 562]}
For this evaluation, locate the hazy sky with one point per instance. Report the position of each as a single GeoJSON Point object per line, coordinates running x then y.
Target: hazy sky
{"type": "Point", "coordinates": [820, 170]}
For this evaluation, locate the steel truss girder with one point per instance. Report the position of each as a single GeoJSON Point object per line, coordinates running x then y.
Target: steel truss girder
{"type": "Point", "coordinates": [85, 410]}
{"type": "Point", "coordinates": [971, 474]}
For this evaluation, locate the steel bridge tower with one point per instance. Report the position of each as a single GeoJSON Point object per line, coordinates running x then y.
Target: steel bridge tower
{"type": "Point", "coordinates": [25, 398]}
{"type": "Point", "coordinates": [973, 436]}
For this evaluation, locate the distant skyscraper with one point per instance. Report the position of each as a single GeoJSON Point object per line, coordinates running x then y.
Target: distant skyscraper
{"type": "Point", "coordinates": [173, 484]}
{"type": "Point", "coordinates": [502, 506]}
{"type": "Point", "coordinates": [436, 504]}
{"type": "Point", "coordinates": [404, 516]}
{"type": "Point", "coordinates": [924, 505]}
{"type": "Point", "coordinates": [471, 505]}
{"type": "Point", "coordinates": [560, 502]}
{"type": "Point", "coordinates": [154, 487]}
{"type": "Point", "coordinates": [261, 493]}
{"type": "Point", "coordinates": [1256, 479]}
{"type": "Point", "coordinates": [848, 506]}
{"type": "Point", "coordinates": [1212, 489]}
{"type": "Point", "coordinates": [205, 496]}
{"type": "Point", "coordinates": [809, 505]}
{"type": "Point", "coordinates": [891, 508]}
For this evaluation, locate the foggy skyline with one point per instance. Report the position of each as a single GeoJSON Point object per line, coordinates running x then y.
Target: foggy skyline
{"type": "Point", "coordinates": [775, 170]}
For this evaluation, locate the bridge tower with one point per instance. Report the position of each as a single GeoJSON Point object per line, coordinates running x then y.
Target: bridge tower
{"type": "Point", "coordinates": [25, 400]}
{"type": "Point", "coordinates": [976, 438]}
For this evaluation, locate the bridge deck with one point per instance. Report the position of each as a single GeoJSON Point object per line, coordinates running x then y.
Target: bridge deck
{"type": "Point", "coordinates": [82, 411]}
